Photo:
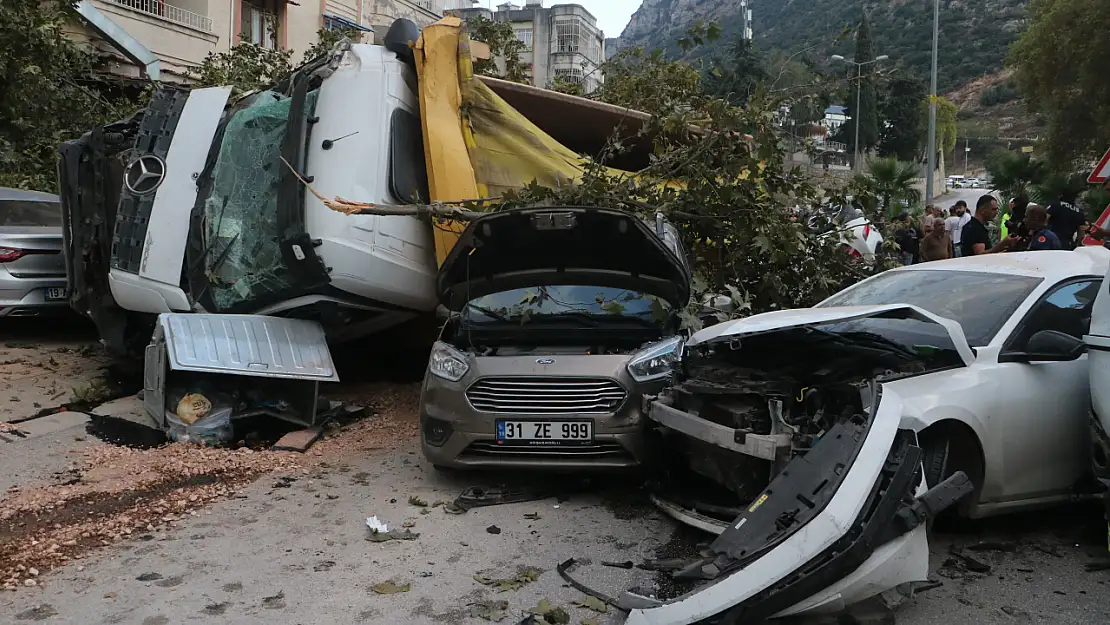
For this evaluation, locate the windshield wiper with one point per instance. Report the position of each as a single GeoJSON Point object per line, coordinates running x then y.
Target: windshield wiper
{"type": "Point", "coordinates": [490, 313]}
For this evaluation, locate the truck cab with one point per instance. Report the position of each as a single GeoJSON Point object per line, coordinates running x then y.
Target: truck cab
{"type": "Point", "coordinates": [197, 204]}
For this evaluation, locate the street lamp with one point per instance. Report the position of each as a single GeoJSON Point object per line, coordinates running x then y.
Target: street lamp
{"type": "Point", "coordinates": [932, 156]}
{"type": "Point", "coordinates": [859, 88]}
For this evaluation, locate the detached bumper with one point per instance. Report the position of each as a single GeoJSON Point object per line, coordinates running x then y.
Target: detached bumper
{"type": "Point", "coordinates": [838, 525]}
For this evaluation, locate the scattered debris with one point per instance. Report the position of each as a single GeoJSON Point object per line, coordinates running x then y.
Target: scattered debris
{"type": "Point", "coordinates": [526, 576]}
{"type": "Point", "coordinates": [299, 441]}
{"type": "Point", "coordinates": [495, 611]}
{"type": "Point", "coordinates": [326, 565]}
{"type": "Point", "coordinates": [37, 613]}
{"type": "Point", "coordinates": [493, 529]}
{"type": "Point", "coordinates": [549, 613]}
{"type": "Point", "coordinates": [628, 564]}
{"type": "Point", "coordinates": [972, 564]}
{"type": "Point", "coordinates": [594, 604]}
{"type": "Point", "coordinates": [1051, 550]}
{"type": "Point", "coordinates": [564, 572]}
{"type": "Point", "coordinates": [665, 565]}
{"type": "Point", "coordinates": [390, 587]}
{"type": "Point", "coordinates": [1007, 547]}
{"type": "Point", "coordinates": [408, 523]}
{"type": "Point", "coordinates": [418, 502]}
{"type": "Point", "coordinates": [383, 537]}
{"type": "Point", "coordinates": [482, 496]}
{"type": "Point", "coordinates": [375, 525]}
{"type": "Point", "coordinates": [532, 516]}
{"type": "Point", "coordinates": [149, 577]}
{"type": "Point", "coordinates": [285, 481]}
{"type": "Point", "coordinates": [274, 602]}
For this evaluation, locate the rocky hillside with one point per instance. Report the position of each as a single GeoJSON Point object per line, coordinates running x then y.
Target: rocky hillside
{"type": "Point", "coordinates": [974, 34]}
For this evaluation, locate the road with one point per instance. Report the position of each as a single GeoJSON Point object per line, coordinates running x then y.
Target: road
{"type": "Point", "coordinates": [176, 534]}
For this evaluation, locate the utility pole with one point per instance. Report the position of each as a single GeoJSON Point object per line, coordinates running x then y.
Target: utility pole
{"type": "Point", "coordinates": [967, 148]}
{"type": "Point", "coordinates": [859, 89]}
{"type": "Point", "coordinates": [932, 156]}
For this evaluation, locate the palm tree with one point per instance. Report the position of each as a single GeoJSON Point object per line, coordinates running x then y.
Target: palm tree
{"type": "Point", "coordinates": [1014, 174]}
{"type": "Point", "coordinates": [893, 181]}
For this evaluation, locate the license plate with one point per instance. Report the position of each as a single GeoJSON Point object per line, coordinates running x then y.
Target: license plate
{"type": "Point", "coordinates": [54, 294]}
{"type": "Point", "coordinates": [545, 432]}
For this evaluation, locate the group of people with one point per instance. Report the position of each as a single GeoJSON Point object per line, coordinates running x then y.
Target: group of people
{"type": "Point", "coordinates": [962, 232]}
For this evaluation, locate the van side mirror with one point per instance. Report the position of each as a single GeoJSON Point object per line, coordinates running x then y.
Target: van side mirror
{"type": "Point", "coordinates": [1048, 345]}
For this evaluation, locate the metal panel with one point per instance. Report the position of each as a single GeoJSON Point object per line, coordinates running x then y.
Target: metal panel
{"type": "Point", "coordinates": [252, 345]}
{"type": "Point", "coordinates": [168, 227]}
{"type": "Point", "coordinates": [154, 378]}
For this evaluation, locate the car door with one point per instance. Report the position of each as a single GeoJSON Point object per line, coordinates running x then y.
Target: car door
{"type": "Point", "coordinates": [1043, 406]}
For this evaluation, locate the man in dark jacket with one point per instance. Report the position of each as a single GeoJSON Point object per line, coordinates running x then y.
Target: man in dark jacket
{"type": "Point", "coordinates": [1066, 220]}
{"type": "Point", "coordinates": [908, 238]}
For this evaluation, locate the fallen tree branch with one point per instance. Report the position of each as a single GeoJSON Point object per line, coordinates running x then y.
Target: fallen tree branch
{"type": "Point", "coordinates": [441, 210]}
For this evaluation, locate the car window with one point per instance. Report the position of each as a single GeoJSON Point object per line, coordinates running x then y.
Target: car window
{"type": "Point", "coordinates": [1066, 309]}
{"type": "Point", "coordinates": [980, 302]}
{"type": "Point", "coordinates": [24, 213]}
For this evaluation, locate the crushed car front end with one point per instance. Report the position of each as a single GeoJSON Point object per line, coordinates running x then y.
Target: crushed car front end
{"type": "Point", "coordinates": [781, 438]}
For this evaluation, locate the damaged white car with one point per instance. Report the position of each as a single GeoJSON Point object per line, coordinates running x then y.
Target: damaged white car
{"type": "Point", "coordinates": [831, 435]}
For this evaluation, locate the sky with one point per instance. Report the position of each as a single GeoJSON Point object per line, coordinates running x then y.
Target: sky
{"type": "Point", "coordinates": [612, 15]}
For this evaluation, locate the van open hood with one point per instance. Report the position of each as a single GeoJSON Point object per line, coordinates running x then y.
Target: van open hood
{"type": "Point", "coordinates": [802, 317]}
{"type": "Point", "coordinates": [523, 248]}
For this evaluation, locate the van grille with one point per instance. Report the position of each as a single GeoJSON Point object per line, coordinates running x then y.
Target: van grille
{"type": "Point", "coordinates": [546, 395]}
{"type": "Point", "coordinates": [593, 451]}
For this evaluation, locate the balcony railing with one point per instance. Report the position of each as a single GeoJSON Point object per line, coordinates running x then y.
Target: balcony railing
{"type": "Point", "coordinates": [170, 13]}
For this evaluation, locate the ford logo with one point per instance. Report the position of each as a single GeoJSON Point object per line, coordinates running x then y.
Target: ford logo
{"type": "Point", "coordinates": [545, 361]}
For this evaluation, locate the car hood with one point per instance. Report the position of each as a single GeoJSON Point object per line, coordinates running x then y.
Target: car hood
{"type": "Point", "coordinates": [523, 248]}
{"type": "Point", "coordinates": [802, 317]}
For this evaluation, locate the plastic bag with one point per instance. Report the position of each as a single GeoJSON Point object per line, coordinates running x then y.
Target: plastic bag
{"type": "Point", "coordinates": [213, 430]}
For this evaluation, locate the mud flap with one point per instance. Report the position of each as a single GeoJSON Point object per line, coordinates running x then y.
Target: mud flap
{"type": "Point", "coordinates": [865, 537]}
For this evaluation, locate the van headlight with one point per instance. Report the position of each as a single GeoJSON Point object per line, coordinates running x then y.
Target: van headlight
{"type": "Point", "coordinates": [656, 362]}
{"type": "Point", "coordinates": [448, 363]}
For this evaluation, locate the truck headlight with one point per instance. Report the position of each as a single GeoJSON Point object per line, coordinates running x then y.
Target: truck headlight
{"type": "Point", "coordinates": [656, 362]}
{"type": "Point", "coordinates": [448, 363]}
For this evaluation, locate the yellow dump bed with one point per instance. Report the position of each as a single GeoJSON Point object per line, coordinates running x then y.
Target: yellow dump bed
{"type": "Point", "coordinates": [480, 139]}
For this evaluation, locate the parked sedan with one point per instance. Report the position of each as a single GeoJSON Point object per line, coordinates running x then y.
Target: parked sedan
{"type": "Point", "coordinates": [838, 430]}
{"type": "Point", "coordinates": [32, 264]}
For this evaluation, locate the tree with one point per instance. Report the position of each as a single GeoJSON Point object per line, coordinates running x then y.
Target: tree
{"type": "Point", "coordinates": [51, 91]}
{"type": "Point", "coordinates": [905, 123]}
{"type": "Point", "coordinates": [1014, 174]}
{"type": "Point", "coordinates": [505, 49]}
{"type": "Point", "coordinates": [893, 182]}
{"type": "Point", "coordinates": [1060, 65]}
{"type": "Point", "coordinates": [947, 129]}
{"type": "Point", "coordinates": [868, 114]}
{"type": "Point", "coordinates": [649, 82]}
{"type": "Point", "coordinates": [736, 77]}
{"type": "Point", "coordinates": [245, 67]}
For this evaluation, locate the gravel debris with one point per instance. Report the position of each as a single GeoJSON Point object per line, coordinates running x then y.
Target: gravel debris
{"type": "Point", "coordinates": [123, 493]}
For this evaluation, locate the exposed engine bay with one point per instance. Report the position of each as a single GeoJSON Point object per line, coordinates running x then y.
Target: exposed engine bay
{"type": "Point", "coordinates": [770, 398]}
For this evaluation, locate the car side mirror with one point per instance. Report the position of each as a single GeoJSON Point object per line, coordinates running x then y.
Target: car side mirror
{"type": "Point", "coordinates": [1050, 345]}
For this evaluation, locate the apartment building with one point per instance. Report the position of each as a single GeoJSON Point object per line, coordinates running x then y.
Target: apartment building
{"type": "Point", "coordinates": [562, 41]}
{"type": "Point", "coordinates": [179, 34]}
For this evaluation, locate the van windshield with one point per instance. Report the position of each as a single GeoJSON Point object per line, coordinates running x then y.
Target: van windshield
{"type": "Point", "coordinates": [589, 306]}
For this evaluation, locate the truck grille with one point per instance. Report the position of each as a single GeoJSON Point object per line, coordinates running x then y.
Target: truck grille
{"type": "Point", "coordinates": [546, 395]}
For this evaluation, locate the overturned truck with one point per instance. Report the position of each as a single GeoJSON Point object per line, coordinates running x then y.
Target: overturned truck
{"type": "Point", "coordinates": [197, 203]}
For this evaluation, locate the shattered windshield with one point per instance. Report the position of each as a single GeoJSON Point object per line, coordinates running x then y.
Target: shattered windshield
{"type": "Point", "coordinates": [241, 234]}
{"type": "Point", "coordinates": [980, 302]}
{"type": "Point", "coordinates": [578, 305]}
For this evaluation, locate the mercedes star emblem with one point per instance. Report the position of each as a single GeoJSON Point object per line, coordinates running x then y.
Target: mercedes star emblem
{"type": "Point", "coordinates": [545, 361]}
{"type": "Point", "coordinates": [144, 175]}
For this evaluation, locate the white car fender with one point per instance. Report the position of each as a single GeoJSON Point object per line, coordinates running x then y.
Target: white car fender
{"type": "Point", "coordinates": [817, 536]}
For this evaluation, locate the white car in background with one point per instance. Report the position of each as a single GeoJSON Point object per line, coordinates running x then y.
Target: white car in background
{"type": "Point", "coordinates": [837, 431]}
{"type": "Point", "coordinates": [856, 231]}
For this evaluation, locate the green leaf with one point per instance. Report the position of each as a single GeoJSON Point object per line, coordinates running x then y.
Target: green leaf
{"type": "Point", "coordinates": [390, 587]}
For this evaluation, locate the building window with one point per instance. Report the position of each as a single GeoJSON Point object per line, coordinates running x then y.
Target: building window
{"type": "Point", "coordinates": [568, 34]}
{"type": "Point", "coordinates": [525, 36]}
{"type": "Point", "coordinates": [259, 21]}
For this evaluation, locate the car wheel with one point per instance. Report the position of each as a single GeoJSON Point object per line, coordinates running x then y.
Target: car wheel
{"type": "Point", "coordinates": [934, 460]}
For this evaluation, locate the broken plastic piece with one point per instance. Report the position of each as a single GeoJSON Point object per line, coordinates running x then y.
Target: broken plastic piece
{"type": "Point", "coordinates": [375, 525]}
{"type": "Point", "coordinates": [564, 572]}
{"type": "Point", "coordinates": [481, 496]}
